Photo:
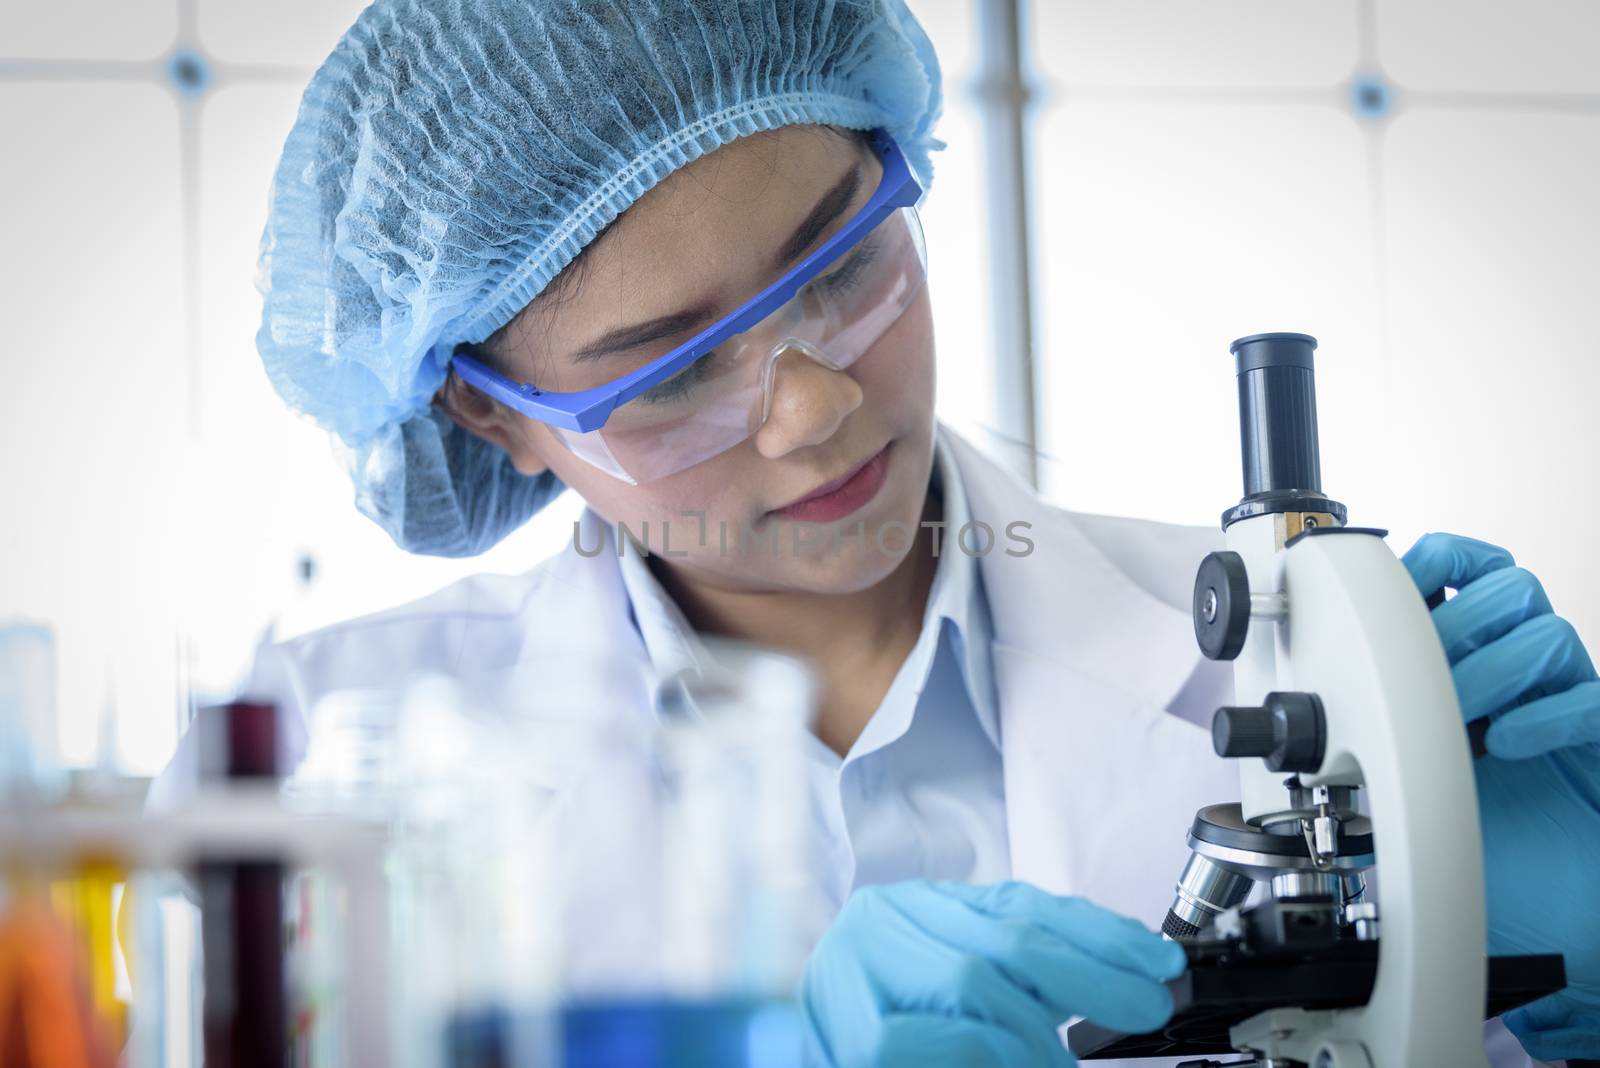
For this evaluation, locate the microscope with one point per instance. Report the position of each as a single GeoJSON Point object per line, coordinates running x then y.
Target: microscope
{"type": "Point", "coordinates": [1358, 811]}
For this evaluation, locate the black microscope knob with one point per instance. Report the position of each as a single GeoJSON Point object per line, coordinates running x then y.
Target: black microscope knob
{"type": "Point", "coordinates": [1289, 732]}
{"type": "Point", "coordinates": [1243, 732]}
{"type": "Point", "coordinates": [1221, 605]}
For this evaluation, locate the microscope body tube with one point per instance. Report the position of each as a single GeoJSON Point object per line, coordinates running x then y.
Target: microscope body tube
{"type": "Point", "coordinates": [1281, 458]}
{"type": "Point", "coordinates": [1278, 414]}
{"type": "Point", "coordinates": [1278, 429]}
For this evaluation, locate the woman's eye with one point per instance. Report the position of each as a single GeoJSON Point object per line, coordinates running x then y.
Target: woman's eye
{"type": "Point", "coordinates": [848, 274]}
{"type": "Point", "coordinates": [681, 384]}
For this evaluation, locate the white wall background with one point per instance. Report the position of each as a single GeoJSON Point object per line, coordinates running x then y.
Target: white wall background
{"type": "Point", "coordinates": [1199, 171]}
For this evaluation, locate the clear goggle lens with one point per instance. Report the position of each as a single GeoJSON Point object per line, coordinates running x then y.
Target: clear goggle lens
{"type": "Point", "coordinates": [725, 396]}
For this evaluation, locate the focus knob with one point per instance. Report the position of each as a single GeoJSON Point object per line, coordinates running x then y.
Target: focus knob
{"type": "Point", "coordinates": [1289, 732]}
{"type": "Point", "coordinates": [1221, 605]}
{"type": "Point", "coordinates": [1243, 732]}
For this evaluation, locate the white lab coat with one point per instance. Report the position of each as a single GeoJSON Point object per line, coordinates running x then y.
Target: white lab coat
{"type": "Point", "coordinates": [1103, 692]}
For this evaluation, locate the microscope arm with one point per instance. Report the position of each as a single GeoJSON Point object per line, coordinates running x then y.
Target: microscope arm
{"type": "Point", "coordinates": [1358, 636]}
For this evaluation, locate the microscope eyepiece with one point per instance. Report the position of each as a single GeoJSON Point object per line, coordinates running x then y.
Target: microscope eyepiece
{"type": "Point", "coordinates": [1273, 350]}
{"type": "Point", "coordinates": [1278, 427]}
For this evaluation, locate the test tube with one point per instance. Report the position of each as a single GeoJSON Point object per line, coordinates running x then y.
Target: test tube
{"type": "Point", "coordinates": [241, 908]}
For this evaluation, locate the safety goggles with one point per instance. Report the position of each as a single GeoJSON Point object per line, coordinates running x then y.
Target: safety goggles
{"type": "Point", "coordinates": [710, 393]}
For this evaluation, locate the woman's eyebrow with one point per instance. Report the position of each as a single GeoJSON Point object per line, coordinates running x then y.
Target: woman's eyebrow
{"type": "Point", "coordinates": [631, 337]}
{"type": "Point", "coordinates": [827, 209]}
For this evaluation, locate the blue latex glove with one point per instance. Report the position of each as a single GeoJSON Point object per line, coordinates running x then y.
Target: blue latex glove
{"type": "Point", "coordinates": [1518, 663]}
{"type": "Point", "coordinates": [920, 973]}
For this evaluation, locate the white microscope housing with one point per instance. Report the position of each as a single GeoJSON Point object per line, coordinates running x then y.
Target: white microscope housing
{"type": "Point", "coordinates": [1345, 709]}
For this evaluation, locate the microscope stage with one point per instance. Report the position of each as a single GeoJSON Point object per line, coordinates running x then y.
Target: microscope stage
{"type": "Point", "coordinates": [1224, 987]}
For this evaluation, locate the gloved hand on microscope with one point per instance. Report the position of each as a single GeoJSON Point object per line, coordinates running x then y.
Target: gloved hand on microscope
{"type": "Point", "coordinates": [1523, 668]}
{"type": "Point", "coordinates": [922, 972]}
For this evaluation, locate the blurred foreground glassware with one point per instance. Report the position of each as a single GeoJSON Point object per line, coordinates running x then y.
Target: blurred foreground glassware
{"type": "Point", "coordinates": [580, 881]}
{"type": "Point", "coordinates": [30, 770]}
{"type": "Point", "coordinates": [526, 852]}
{"type": "Point", "coordinates": [741, 910]}
{"type": "Point", "coordinates": [46, 1017]}
{"type": "Point", "coordinates": [460, 772]}
{"type": "Point", "coordinates": [59, 999]}
{"type": "Point", "coordinates": [245, 1011]}
{"type": "Point", "coordinates": [527, 867]}
{"type": "Point", "coordinates": [723, 905]}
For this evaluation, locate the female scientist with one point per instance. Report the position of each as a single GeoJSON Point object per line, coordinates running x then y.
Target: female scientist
{"type": "Point", "coordinates": [666, 253]}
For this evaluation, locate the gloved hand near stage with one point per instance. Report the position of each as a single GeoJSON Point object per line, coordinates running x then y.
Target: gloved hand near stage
{"type": "Point", "coordinates": [1516, 662]}
{"type": "Point", "coordinates": [944, 973]}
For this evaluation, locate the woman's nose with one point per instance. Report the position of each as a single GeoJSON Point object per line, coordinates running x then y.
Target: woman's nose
{"type": "Point", "coordinates": [809, 402]}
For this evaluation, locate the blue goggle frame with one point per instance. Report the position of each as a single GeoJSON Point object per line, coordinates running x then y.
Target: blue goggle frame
{"type": "Point", "coordinates": [588, 409]}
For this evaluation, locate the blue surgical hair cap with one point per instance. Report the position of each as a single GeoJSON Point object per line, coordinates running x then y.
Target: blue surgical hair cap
{"type": "Point", "coordinates": [450, 157]}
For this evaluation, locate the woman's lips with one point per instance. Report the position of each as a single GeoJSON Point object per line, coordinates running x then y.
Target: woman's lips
{"type": "Point", "coordinates": [838, 499]}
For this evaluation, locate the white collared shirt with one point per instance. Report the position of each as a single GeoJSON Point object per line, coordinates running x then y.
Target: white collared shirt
{"type": "Point", "coordinates": [920, 794]}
